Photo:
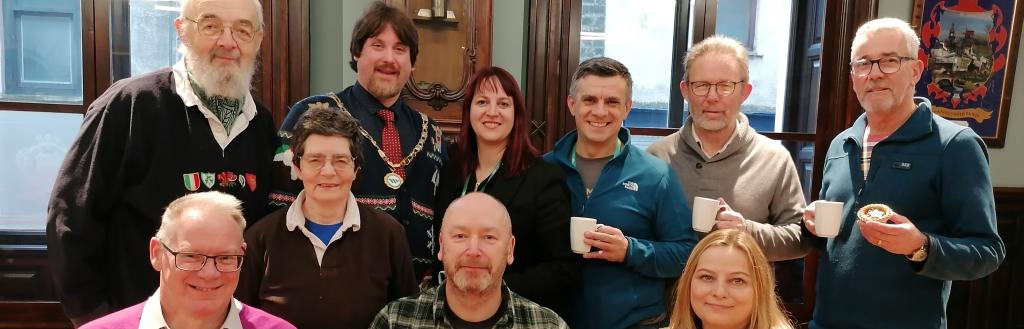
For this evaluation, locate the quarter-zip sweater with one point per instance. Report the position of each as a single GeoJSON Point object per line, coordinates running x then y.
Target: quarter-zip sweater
{"type": "Point", "coordinates": [640, 195]}
{"type": "Point", "coordinates": [936, 174]}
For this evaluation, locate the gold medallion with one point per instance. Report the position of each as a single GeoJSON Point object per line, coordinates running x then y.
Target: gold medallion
{"type": "Point", "coordinates": [393, 180]}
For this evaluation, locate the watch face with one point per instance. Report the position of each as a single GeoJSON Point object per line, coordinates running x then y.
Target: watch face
{"type": "Point", "coordinates": [919, 255]}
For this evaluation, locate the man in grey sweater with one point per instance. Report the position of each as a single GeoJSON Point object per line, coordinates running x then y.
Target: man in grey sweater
{"type": "Point", "coordinates": [717, 155]}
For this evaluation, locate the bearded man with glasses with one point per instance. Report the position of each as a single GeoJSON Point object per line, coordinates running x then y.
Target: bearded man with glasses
{"type": "Point", "coordinates": [718, 155]}
{"type": "Point", "coordinates": [198, 252]}
{"type": "Point", "coordinates": [932, 174]}
{"type": "Point", "coordinates": [150, 139]}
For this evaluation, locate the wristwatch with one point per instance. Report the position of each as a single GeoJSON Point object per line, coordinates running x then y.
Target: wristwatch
{"type": "Point", "coordinates": [920, 254]}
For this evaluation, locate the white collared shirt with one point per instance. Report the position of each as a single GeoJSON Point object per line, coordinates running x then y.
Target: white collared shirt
{"type": "Point", "coordinates": [296, 219]}
{"type": "Point", "coordinates": [153, 315]}
{"type": "Point", "coordinates": [735, 131]}
{"type": "Point", "coordinates": [184, 90]}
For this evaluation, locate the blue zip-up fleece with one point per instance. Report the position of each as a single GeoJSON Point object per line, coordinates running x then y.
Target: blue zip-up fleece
{"type": "Point", "coordinates": [640, 195]}
{"type": "Point", "coordinates": [935, 173]}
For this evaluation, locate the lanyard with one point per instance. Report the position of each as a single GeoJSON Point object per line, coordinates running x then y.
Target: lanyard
{"type": "Point", "coordinates": [487, 180]}
{"type": "Point", "coordinates": [618, 149]}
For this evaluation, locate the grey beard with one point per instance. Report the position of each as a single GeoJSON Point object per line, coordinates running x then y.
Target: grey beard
{"type": "Point", "coordinates": [466, 285]}
{"type": "Point", "coordinates": [710, 125]}
{"type": "Point", "coordinates": [218, 81]}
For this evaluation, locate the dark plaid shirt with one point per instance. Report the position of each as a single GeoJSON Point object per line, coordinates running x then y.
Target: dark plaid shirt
{"type": "Point", "coordinates": [427, 310]}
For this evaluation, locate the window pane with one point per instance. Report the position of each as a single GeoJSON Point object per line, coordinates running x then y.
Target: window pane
{"type": "Point", "coordinates": [641, 38]}
{"type": "Point", "coordinates": [143, 36]}
{"type": "Point", "coordinates": [42, 51]}
{"type": "Point", "coordinates": [767, 36]}
{"type": "Point", "coordinates": [734, 20]}
{"type": "Point", "coordinates": [34, 145]}
{"type": "Point", "coordinates": [593, 16]}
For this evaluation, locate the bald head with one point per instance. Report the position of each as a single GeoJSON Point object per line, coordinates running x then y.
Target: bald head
{"type": "Point", "coordinates": [478, 206]}
{"type": "Point", "coordinates": [476, 244]}
{"type": "Point", "coordinates": [189, 9]}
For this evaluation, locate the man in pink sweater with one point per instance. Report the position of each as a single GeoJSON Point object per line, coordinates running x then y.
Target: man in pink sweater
{"type": "Point", "coordinates": [198, 251]}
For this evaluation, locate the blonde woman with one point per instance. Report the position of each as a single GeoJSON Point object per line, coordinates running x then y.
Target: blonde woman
{"type": "Point", "coordinates": [727, 284]}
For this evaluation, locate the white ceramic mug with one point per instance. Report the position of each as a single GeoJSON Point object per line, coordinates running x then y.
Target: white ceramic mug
{"type": "Point", "coordinates": [828, 215]}
{"type": "Point", "coordinates": [704, 212]}
{"type": "Point", "coordinates": [578, 225]}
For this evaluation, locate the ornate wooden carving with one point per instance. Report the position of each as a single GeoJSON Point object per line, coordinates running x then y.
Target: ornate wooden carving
{"type": "Point", "coordinates": [451, 50]}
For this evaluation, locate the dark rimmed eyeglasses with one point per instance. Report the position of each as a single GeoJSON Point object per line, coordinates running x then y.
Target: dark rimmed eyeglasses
{"type": "Point", "coordinates": [887, 65]}
{"type": "Point", "coordinates": [723, 88]}
{"type": "Point", "coordinates": [191, 261]}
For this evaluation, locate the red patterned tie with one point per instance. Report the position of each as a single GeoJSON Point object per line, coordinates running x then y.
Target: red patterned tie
{"type": "Point", "coordinates": [389, 137]}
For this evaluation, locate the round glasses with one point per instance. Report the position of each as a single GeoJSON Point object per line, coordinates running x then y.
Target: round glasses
{"type": "Point", "coordinates": [191, 261]}
{"type": "Point", "coordinates": [213, 27]}
{"type": "Point", "coordinates": [702, 88]}
{"type": "Point", "coordinates": [887, 65]}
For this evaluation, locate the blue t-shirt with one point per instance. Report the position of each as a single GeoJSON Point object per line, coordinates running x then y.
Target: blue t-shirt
{"type": "Point", "coordinates": [324, 232]}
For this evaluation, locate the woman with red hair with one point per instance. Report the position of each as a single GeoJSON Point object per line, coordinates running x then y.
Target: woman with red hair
{"type": "Point", "coordinates": [494, 156]}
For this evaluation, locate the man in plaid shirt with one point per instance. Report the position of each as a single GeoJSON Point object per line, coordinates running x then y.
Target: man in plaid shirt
{"type": "Point", "coordinates": [476, 245]}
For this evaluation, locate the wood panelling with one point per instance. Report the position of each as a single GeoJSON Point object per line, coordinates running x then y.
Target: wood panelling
{"type": "Point", "coordinates": [283, 76]}
{"type": "Point", "coordinates": [995, 301]}
{"type": "Point", "coordinates": [25, 275]}
{"type": "Point", "coordinates": [32, 315]}
{"type": "Point", "coordinates": [551, 58]}
{"type": "Point", "coordinates": [990, 302]}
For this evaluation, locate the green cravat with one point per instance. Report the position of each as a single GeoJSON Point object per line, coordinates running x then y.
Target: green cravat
{"type": "Point", "coordinates": [226, 109]}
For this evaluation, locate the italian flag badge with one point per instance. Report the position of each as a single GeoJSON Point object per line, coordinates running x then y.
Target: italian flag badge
{"type": "Point", "coordinates": [191, 181]}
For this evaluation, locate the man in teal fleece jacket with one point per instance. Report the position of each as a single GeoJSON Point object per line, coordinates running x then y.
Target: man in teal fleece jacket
{"type": "Point", "coordinates": [644, 234]}
{"type": "Point", "coordinates": [934, 176]}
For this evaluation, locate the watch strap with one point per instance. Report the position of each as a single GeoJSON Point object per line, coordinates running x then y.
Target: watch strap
{"type": "Point", "coordinates": [921, 254]}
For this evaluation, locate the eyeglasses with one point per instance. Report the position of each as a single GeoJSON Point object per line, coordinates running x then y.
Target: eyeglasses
{"type": "Point", "coordinates": [213, 27]}
{"type": "Point", "coordinates": [318, 161]}
{"type": "Point", "coordinates": [190, 261]}
{"type": "Point", "coordinates": [724, 88]}
{"type": "Point", "coordinates": [887, 65]}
